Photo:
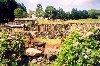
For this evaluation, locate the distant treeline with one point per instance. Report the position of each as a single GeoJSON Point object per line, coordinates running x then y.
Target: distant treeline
{"type": "Point", "coordinates": [7, 8]}
{"type": "Point", "coordinates": [52, 13]}
{"type": "Point", "coordinates": [10, 9]}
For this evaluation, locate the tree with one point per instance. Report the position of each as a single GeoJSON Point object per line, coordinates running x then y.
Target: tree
{"type": "Point", "coordinates": [24, 15]}
{"type": "Point", "coordinates": [19, 13]}
{"type": "Point", "coordinates": [54, 14]}
{"type": "Point", "coordinates": [7, 10]}
{"type": "Point", "coordinates": [68, 15]}
{"type": "Point", "coordinates": [61, 14]}
{"type": "Point", "coordinates": [92, 14]}
{"type": "Point", "coordinates": [39, 11]}
{"type": "Point", "coordinates": [22, 6]}
{"type": "Point", "coordinates": [30, 13]}
{"type": "Point", "coordinates": [49, 12]}
{"type": "Point", "coordinates": [74, 14]}
{"type": "Point", "coordinates": [83, 14]}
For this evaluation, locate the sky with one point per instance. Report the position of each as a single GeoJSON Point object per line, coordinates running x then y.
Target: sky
{"type": "Point", "coordinates": [67, 5]}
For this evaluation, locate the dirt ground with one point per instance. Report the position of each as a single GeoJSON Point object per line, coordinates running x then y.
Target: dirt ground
{"type": "Point", "coordinates": [49, 48]}
{"type": "Point", "coordinates": [52, 48]}
{"type": "Point", "coordinates": [50, 51]}
{"type": "Point", "coordinates": [56, 46]}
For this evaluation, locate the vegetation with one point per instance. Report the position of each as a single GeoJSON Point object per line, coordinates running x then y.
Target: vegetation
{"type": "Point", "coordinates": [19, 13]}
{"type": "Point", "coordinates": [11, 49]}
{"type": "Point", "coordinates": [30, 13]}
{"type": "Point", "coordinates": [52, 13]}
{"type": "Point", "coordinates": [39, 11]}
{"type": "Point", "coordinates": [79, 14]}
{"type": "Point", "coordinates": [49, 41]}
{"type": "Point", "coordinates": [7, 8]}
{"type": "Point", "coordinates": [44, 21]}
{"type": "Point", "coordinates": [29, 24]}
{"type": "Point", "coordinates": [93, 14]}
{"type": "Point", "coordinates": [9, 12]}
{"type": "Point", "coordinates": [80, 50]}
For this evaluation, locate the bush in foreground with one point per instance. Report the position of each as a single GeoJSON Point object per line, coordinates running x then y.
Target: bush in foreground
{"type": "Point", "coordinates": [80, 50]}
{"type": "Point", "coordinates": [11, 49]}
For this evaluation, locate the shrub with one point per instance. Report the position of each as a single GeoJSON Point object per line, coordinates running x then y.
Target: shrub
{"type": "Point", "coordinates": [11, 49]}
{"type": "Point", "coordinates": [79, 50]}
{"type": "Point", "coordinates": [29, 24]}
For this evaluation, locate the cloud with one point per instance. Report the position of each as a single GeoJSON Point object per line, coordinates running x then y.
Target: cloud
{"type": "Point", "coordinates": [32, 1]}
{"type": "Point", "coordinates": [76, 2]}
{"type": "Point", "coordinates": [28, 1]}
{"type": "Point", "coordinates": [82, 2]}
{"type": "Point", "coordinates": [65, 4]}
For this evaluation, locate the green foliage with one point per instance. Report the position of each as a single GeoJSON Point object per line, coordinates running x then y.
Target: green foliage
{"type": "Point", "coordinates": [79, 50]}
{"type": "Point", "coordinates": [29, 24]}
{"type": "Point", "coordinates": [49, 12]}
{"type": "Point", "coordinates": [79, 14]}
{"type": "Point", "coordinates": [39, 11]}
{"type": "Point", "coordinates": [53, 13]}
{"type": "Point", "coordinates": [74, 13]}
{"type": "Point", "coordinates": [93, 14]}
{"type": "Point", "coordinates": [83, 14]}
{"type": "Point", "coordinates": [11, 49]}
{"type": "Point", "coordinates": [24, 15]}
{"type": "Point", "coordinates": [7, 10]}
{"type": "Point", "coordinates": [22, 6]}
{"type": "Point", "coordinates": [19, 13]}
{"type": "Point", "coordinates": [31, 13]}
{"type": "Point", "coordinates": [61, 14]}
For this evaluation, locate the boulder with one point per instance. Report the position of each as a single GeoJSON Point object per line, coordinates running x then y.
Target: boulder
{"type": "Point", "coordinates": [32, 51]}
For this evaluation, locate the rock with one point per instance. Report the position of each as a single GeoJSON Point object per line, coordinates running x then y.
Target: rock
{"type": "Point", "coordinates": [83, 53]}
{"type": "Point", "coordinates": [88, 50]}
{"type": "Point", "coordinates": [32, 51]}
{"type": "Point", "coordinates": [39, 63]}
{"type": "Point", "coordinates": [34, 61]}
{"type": "Point", "coordinates": [86, 57]}
{"type": "Point", "coordinates": [52, 58]}
{"type": "Point", "coordinates": [89, 33]}
{"type": "Point", "coordinates": [39, 59]}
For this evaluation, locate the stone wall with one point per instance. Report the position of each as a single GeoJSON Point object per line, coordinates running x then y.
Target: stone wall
{"type": "Point", "coordinates": [60, 30]}
{"type": "Point", "coordinates": [60, 27]}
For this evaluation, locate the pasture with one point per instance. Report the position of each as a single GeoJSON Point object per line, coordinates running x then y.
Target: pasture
{"type": "Point", "coordinates": [45, 21]}
{"type": "Point", "coordinates": [49, 41]}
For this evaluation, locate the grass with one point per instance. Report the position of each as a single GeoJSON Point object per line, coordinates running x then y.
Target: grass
{"type": "Point", "coordinates": [44, 21]}
{"type": "Point", "coordinates": [49, 41]}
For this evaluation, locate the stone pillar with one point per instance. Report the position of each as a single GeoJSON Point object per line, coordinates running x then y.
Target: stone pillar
{"type": "Point", "coordinates": [45, 27]}
{"type": "Point", "coordinates": [41, 28]}
{"type": "Point", "coordinates": [52, 27]}
{"type": "Point", "coordinates": [38, 28]}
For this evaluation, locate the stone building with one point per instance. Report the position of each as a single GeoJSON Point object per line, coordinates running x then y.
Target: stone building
{"type": "Point", "coordinates": [24, 20]}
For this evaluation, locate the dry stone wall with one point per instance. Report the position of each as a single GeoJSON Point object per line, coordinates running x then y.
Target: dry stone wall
{"type": "Point", "coordinates": [62, 30]}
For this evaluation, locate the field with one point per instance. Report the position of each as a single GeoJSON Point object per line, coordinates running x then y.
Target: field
{"type": "Point", "coordinates": [45, 21]}
{"type": "Point", "coordinates": [49, 41]}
